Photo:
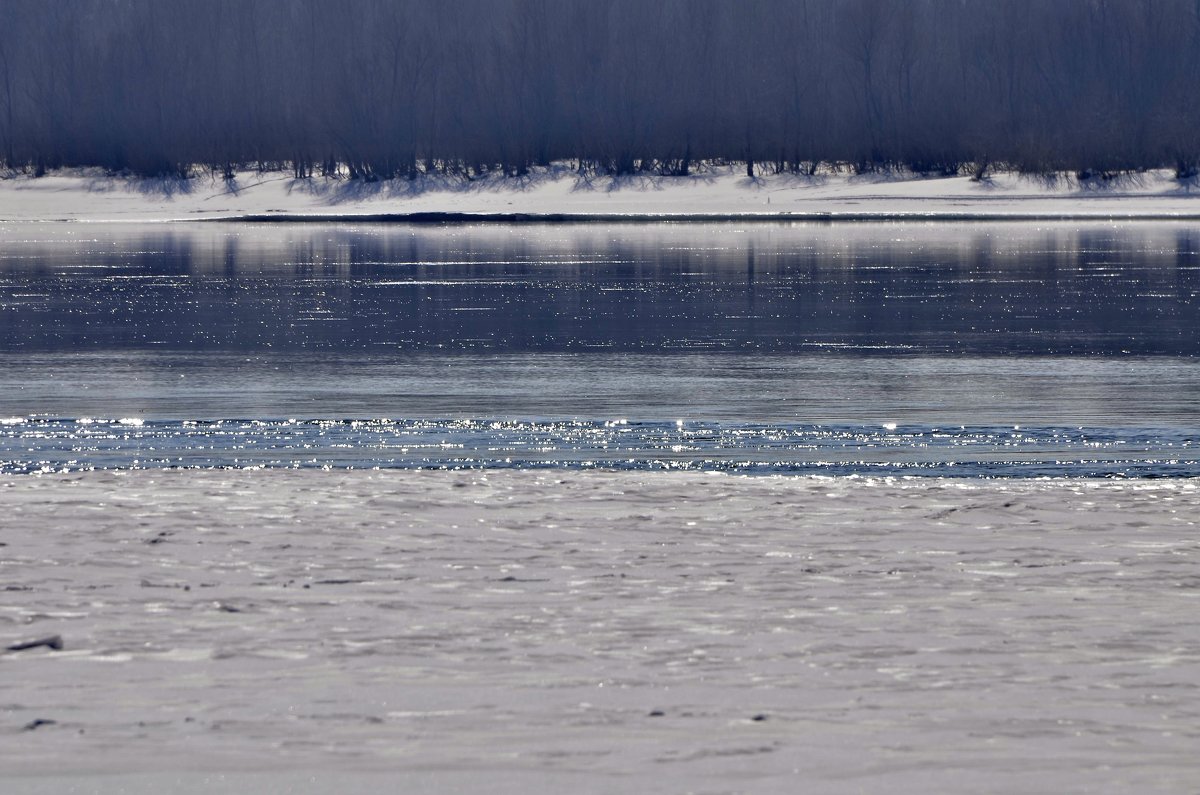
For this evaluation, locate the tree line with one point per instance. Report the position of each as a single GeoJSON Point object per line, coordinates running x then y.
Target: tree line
{"type": "Point", "coordinates": [379, 89]}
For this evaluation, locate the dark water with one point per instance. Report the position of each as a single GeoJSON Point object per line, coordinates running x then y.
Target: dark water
{"type": "Point", "coordinates": [1003, 349]}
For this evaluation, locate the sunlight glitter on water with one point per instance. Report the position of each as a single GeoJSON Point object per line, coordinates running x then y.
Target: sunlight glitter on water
{"type": "Point", "coordinates": [59, 444]}
{"type": "Point", "coordinates": [981, 349]}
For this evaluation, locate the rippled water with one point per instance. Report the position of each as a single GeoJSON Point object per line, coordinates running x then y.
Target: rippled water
{"type": "Point", "coordinates": [1002, 349]}
{"type": "Point", "coordinates": [56, 445]}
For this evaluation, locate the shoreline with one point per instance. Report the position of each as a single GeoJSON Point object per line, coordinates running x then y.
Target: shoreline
{"type": "Point", "coordinates": [450, 218]}
{"type": "Point", "coordinates": [558, 195]}
{"type": "Point", "coordinates": [296, 630]}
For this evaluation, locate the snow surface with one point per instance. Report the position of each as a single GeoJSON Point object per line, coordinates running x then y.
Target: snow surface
{"type": "Point", "coordinates": [514, 632]}
{"type": "Point", "coordinates": [90, 195]}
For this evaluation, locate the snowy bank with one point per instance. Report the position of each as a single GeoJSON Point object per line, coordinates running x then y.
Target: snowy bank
{"type": "Point", "coordinates": [559, 194]}
{"type": "Point", "coordinates": [502, 632]}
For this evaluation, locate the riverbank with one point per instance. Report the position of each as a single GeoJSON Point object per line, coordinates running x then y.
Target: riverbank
{"type": "Point", "coordinates": [297, 631]}
{"type": "Point", "coordinates": [558, 194]}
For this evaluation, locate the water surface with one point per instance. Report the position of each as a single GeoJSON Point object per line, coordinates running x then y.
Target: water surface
{"type": "Point", "coordinates": [989, 349]}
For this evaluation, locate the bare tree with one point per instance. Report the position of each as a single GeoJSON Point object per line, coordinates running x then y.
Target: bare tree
{"type": "Point", "coordinates": [383, 88]}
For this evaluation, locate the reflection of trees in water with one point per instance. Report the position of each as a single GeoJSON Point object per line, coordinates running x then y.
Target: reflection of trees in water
{"type": "Point", "coordinates": [386, 289]}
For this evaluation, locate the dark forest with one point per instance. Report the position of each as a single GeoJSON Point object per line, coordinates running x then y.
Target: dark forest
{"type": "Point", "coordinates": [380, 89]}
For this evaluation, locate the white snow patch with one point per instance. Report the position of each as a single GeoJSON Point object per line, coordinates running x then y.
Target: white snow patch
{"type": "Point", "coordinates": [87, 195]}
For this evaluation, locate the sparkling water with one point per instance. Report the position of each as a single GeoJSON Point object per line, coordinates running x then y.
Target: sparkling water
{"type": "Point", "coordinates": [970, 350]}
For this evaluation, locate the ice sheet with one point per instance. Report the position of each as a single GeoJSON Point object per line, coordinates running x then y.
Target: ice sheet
{"type": "Point", "coordinates": [297, 631]}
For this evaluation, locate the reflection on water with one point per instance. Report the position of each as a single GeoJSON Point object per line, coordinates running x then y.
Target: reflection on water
{"type": "Point", "coordinates": [56, 445]}
{"type": "Point", "coordinates": [781, 348]}
{"type": "Point", "coordinates": [975, 289]}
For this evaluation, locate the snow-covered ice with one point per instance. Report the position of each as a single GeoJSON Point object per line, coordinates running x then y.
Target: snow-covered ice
{"type": "Point", "coordinates": [284, 631]}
